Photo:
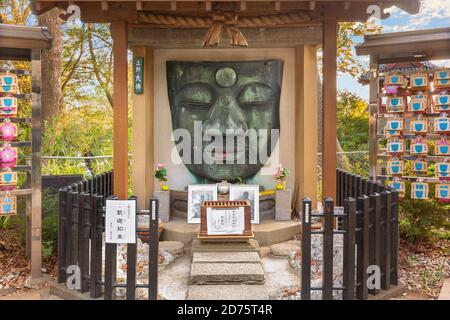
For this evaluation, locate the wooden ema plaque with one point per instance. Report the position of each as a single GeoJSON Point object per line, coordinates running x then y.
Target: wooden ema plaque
{"type": "Point", "coordinates": [227, 214]}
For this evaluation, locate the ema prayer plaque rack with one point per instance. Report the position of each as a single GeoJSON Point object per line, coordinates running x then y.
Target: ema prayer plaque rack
{"type": "Point", "coordinates": [225, 220]}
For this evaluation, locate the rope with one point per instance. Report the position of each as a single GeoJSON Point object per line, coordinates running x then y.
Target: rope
{"type": "Point", "coordinates": [182, 21]}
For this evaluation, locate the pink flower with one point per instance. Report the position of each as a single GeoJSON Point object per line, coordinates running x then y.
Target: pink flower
{"type": "Point", "coordinates": [8, 131]}
{"type": "Point", "coordinates": [160, 166]}
{"type": "Point", "coordinates": [8, 154]}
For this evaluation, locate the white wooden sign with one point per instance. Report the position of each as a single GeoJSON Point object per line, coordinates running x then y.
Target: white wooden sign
{"type": "Point", "coordinates": [225, 221]}
{"type": "Point", "coordinates": [120, 222]}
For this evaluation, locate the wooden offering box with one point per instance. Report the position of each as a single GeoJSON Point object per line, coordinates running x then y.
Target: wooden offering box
{"type": "Point", "coordinates": [225, 220]}
{"type": "Point", "coordinates": [8, 206]}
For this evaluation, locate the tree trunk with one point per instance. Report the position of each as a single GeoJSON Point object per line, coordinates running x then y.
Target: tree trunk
{"type": "Point", "coordinates": [51, 96]}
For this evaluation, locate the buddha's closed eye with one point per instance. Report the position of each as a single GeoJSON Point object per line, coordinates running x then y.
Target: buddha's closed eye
{"type": "Point", "coordinates": [255, 94]}
{"type": "Point", "coordinates": [196, 95]}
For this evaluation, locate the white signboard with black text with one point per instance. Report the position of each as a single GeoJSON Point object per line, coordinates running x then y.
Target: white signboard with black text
{"type": "Point", "coordinates": [225, 221]}
{"type": "Point", "coordinates": [120, 222]}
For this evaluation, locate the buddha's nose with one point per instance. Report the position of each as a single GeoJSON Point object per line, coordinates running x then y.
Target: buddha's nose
{"type": "Point", "coordinates": [224, 115]}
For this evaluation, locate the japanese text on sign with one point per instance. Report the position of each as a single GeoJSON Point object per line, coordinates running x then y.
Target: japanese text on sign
{"type": "Point", "coordinates": [120, 222]}
{"type": "Point", "coordinates": [138, 75]}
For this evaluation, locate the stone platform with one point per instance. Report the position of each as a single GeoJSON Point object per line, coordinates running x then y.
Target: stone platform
{"type": "Point", "coordinates": [268, 232]}
{"type": "Point", "coordinates": [235, 275]}
{"type": "Point", "coordinates": [228, 292]}
{"type": "Point", "coordinates": [249, 246]}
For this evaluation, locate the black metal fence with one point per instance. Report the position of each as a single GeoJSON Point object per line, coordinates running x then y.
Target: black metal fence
{"type": "Point", "coordinates": [370, 238]}
{"type": "Point", "coordinates": [352, 185]}
{"type": "Point", "coordinates": [369, 230]}
{"type": "Point", "coordinates": [80, 240]}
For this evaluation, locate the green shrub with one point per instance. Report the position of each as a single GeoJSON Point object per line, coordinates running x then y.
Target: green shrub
{"type": "Point", "coordinates": [49, 222]}
{"type": "Point", "coordinates": [421, 220]}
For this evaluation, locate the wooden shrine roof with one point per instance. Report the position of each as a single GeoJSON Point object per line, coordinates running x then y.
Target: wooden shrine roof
{"type": "Point", "coordinates": [189, 13]}
{"type": "Point", "coordinates": [403, 67]}
{"type": "Point", "coordinates": [16, 42]}
{"type": "Point", "coordinates": [418, 45]}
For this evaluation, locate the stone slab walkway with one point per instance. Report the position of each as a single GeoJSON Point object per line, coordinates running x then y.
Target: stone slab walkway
{"type": "Point", "coordinates": [226, 275]}
{"type": "Point", "coordinates": [445, 291]}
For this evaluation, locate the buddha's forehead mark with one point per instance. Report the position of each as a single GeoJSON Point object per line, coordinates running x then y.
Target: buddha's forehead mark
{"type": "Point", "coordinates": [226, 77]}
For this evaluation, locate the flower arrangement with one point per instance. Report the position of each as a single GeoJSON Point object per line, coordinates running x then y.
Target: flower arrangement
{"type": "Point", "coordinates": [280, 174]}
{"type": "Point", "coordinates": [160, 173]}
{"type": "Point", "coordinates": [8, 156]}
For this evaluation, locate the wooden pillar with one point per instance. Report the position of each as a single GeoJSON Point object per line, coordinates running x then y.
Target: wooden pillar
{"type": "Point", "coordinates": [120, 108]}
{"type": "Point", "coordinates": [36, 138]}
{"type": "Point", "coordinates": [329, 108]}
{"type": "Point", "coordinates": [142, 172]}
{"type": "Point", "coordinates": [373, 110]}
{"type": "Point", "coordinates": [306, 124]}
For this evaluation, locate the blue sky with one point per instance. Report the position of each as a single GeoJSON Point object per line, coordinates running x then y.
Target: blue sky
{"type": "Point", "coordinates": [433, 14]}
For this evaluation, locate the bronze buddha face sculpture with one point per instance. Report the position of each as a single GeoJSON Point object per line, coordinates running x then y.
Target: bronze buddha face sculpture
{"type": "Point", "coordinates": [233, 105]}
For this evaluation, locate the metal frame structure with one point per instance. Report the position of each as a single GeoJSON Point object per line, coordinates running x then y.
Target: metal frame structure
{"type": "Point", "coordinates": [420, 45]}
{"type": "Point", "coordinates": [26, 44]}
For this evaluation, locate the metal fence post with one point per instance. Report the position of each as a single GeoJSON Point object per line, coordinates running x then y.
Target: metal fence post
{"type": "Point", "coordinates": [85, 228]}
{"type": "Point", "coordinates": [110, 266]}
{"type": "Point", "coordinates": [358, 184]}
{"type": "Point", "coordinates": [74, 228]}
{"type": "Point", "coordinates": [306, 250]}
{"type": "Point", "coordinates": [97, 228]}
{"type": "Point", "coordinates": [362, 247]}
{"type": "Point", "coordinates": [153, 249]}
{"type": "Point", "coordinates": [354, 186]}
{"type": "Point", "coordinates": [395, 238]}
{"type": "Point", "coordinates": [386, 239]}
{"type": "Point", "coordinates": [327, 276]}
{"type": "Point", "coordinates": [374, 236]}
{"type": "Point", "coordinates": [348, 191]}
{"type": "Point", "coordinates": [131, 264]}
{"type": "Point", "coordinates": [62, 235]}
{"type": "Point", "coordinates": [349, 249]}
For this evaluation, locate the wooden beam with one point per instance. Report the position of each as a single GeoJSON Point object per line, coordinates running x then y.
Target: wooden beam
{"type": "Point", "coordinates": [277, 5]}
{"type": "Point", "coordinates": [312, 5]}
{"type": "Point", "coordinates": [243, 6]}
{"type": "Point", "coordinates": [173, 5]}
{"type": "Point", "coordinates": [329, 136]}
{"type": "Point", "coordinates": [36, 184]}
{"type": "Point", "coordinates": [105, 5]}
{"type": "Point", "coordinates": [120, 108]}
{"type": "Point", "coordinates": [139, 5]}
{"type": "Point", "coordinates": [208, 5]}
{"type": "Point", "coordinates": [373, 112]}
{"type": "Point", "coordinates": [306, 124]}
{"type": "Point", "coordinates": [143, 137]}
{"type": "Point", "coordinates": [347, 5]}
{"type": "Point", "coordinates": [257, 38]}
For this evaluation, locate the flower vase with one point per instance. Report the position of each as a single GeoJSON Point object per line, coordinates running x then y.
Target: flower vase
{"type": "Point", "coordinates": [162, 185]}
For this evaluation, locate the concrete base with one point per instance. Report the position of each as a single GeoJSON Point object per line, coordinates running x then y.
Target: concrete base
{"type": "Point", "coordinates": [283, 205]}
{"type": "Point", "coordinates": [60, 290]}
{"type": "Point", "coordinates": [164, 204]}
{"type": "Point", "coordinates": [228, 292]}
{"type": "Point", "coordinates": [393, 292]}
{"type": "Point", "coordinates": [268, 232]}
{"type": "Point", "coordinates": [200, 246]}
{"type": "Point", "coordinates": [226, 273]}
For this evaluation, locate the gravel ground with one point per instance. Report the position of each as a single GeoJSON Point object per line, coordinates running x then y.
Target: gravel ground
{"type": "Point", "coordinates": [424, 268]}
{"type": "Point", "coordinates": [14, 267]}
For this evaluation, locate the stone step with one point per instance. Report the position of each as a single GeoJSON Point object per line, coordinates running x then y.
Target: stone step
{"type": "Point", "coordinates": [225, 257]}
{"type": "Point", "coordinates": [200, 246]}
{"type": "Point", "coordinates": [227, 292]}
{"type": "Point", "coordinates": [226, 273]}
